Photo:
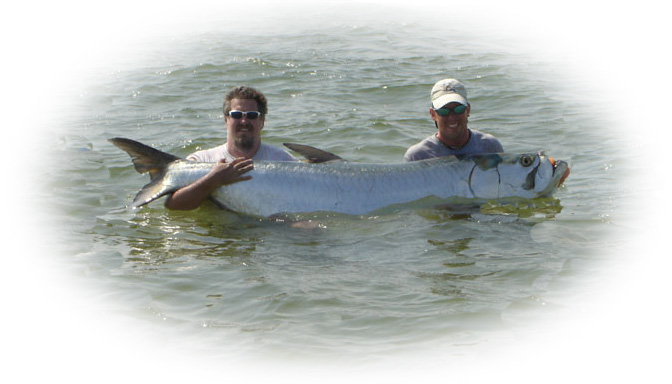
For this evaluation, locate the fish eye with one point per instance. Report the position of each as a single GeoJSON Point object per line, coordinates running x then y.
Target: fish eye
{"type": "Point", "coordinates": [526, 160]}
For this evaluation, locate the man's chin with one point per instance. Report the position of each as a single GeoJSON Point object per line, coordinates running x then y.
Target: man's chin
{"type": "Point", "coordinates": [244, 144]}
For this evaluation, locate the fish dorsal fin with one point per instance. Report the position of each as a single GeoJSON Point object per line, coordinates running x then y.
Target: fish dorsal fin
{"type": "Point", "coordinates": [312, 154]}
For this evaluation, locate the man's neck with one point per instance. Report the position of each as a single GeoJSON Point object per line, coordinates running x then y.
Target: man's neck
{"type": "Point", "coordinates": [455, 144]}
{"type": "Point", "coordinates": [242, 152]}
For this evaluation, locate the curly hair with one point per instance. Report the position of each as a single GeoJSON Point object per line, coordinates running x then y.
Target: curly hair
{"type": "Point", "coordinates": [245, 92]}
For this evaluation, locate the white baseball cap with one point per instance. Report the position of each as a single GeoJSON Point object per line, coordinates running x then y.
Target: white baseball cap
{"type": "Point", "coordinates": [447, 91]}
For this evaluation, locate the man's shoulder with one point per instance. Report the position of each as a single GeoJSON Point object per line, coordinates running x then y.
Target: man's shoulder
{"type": "Point", "coordinates": [482, 135]}
{"type": "Point", "coordinates": [486, 142]}
{"type": "Point", "coordinates": [266, 152]}
{"type": "Point", "coordinates": [269, 152]}
{"type": "Point", "coordinates": [427, 148]}
{"type": "Point", "coordinates": [211, 155]}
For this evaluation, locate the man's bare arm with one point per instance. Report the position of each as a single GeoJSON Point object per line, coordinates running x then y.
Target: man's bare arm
{"type": "Point", "coordinates": [194, 194]}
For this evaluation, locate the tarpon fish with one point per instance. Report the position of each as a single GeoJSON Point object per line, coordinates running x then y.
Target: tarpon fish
{"type": "Point", "coordinates": [330, 184]}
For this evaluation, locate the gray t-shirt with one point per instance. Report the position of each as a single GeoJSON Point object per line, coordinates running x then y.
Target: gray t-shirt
{"type": "Point", "coordinates": [430, 147]}
{"type": "Point", "coordinates": [265, 153]}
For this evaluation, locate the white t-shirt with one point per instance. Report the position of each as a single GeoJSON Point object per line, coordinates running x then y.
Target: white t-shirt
{"type": "Point", "coordinates": [265, 153]}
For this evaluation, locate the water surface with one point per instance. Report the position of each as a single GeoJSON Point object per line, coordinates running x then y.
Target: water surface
{"type": "Point", "coordinates": [360, 288]}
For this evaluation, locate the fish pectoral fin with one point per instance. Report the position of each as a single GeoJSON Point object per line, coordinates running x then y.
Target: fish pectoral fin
{"type": "Point", "coordinates": [312, 154]}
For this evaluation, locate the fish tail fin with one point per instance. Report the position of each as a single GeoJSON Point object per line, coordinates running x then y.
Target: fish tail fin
{"type": "Point", "coordinates": [147, 160]}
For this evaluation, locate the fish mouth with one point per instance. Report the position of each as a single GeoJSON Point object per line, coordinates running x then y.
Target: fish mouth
{"type": "Point", "coordinates": [560, 170]}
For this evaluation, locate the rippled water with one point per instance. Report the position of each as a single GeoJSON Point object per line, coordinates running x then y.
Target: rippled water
{"type": "Point", "coordinates": [362, 287]}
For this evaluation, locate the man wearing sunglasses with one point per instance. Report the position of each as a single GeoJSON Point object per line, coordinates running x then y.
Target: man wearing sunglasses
{"type": "Point", "coordinates": [245, 111]}
{"type": "Point", "coordinates": [450, 112]}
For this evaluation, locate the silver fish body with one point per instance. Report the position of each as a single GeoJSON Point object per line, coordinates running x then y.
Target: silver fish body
{"type": "Point", "coordinates": [357, 188]}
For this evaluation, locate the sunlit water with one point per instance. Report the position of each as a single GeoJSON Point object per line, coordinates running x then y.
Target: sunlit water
{"type": "Point", "coordinates": [357, 286]}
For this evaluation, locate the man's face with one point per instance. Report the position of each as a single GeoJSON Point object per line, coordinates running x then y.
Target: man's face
{"type": "Point", "coordinates": [452, 126]}
{"type": "Point", "coordinates": [244, 133]}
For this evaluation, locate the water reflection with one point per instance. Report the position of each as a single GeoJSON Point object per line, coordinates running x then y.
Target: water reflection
{"type": "Point", "coordinates": [451, 246]}
{"type": "Point", "coordinates": [473, 247]}
{"type": "Point", "coordinates": [527, 210]}
{"type": "Point", "coordinates": [153, 237]}
{"type": "Point", "coordinates": [540, 209]}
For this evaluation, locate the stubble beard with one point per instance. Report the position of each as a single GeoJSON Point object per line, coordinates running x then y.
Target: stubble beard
{"type": "Point", "coordinates": [244, 143]}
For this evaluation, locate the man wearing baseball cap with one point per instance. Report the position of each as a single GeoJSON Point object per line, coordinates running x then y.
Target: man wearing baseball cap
{"type": "Point", "coordinates": [450, 112]}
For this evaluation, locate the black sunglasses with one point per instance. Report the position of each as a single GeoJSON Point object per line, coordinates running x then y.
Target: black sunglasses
{"type": "Point", "coordinates": [458, 110]}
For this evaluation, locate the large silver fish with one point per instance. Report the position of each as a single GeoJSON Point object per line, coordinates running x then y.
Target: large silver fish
{"type": "Point", "coordinates": [352, 188]}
